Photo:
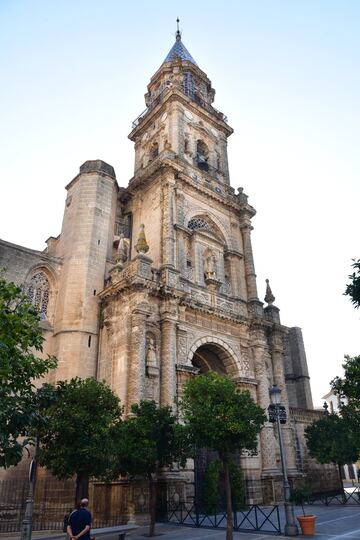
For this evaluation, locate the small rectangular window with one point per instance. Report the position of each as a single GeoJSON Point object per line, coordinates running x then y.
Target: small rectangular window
{"type": "Point", "coordinates": [89, 341]}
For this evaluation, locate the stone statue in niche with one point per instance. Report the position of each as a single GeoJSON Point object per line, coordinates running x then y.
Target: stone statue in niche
{"type": "Point", "coordinates": [122, 250]}
{"type": "Point", "coordinates": [210, 267]}
{"type": "Point", "coordinates": [150, 352]}
{"type": "Point", "coordinates": [152, 369]}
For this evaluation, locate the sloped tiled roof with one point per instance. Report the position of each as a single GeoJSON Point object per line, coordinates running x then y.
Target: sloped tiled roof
{"type": "Point", "coordinates": [179, 50]}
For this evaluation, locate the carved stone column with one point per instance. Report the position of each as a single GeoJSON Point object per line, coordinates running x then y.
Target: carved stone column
{"type": "Point", "coordinates": [267, 440]}
{"type": "Point", "coordinates": [168, 233]}
{"type": "Point", "coordinates": [246, 229]}
{"type": "Point", "coordinates": [277, 356]}
{"type": "Point", "coordinates": [168, 321]}
{"type": "Point", "coordinates": [137, 357]}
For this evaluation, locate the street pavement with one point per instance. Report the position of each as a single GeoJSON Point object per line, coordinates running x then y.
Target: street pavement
{"type": "Point", "coordinates": [333, 522]}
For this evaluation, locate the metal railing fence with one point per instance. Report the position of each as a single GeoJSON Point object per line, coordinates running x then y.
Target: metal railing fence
{"type": "Point", "coordinates": [253, 518]}
{"type": "Point", "coordinates": [350, 497]}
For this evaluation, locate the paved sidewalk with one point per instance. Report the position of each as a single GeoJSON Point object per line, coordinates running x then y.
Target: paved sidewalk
{"type": "Point", "coordinates": [333, 523]}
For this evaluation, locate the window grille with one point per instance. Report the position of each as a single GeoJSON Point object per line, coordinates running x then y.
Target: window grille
{"type": "Point", "coordinates": [38, 293]}
{"type": "Point", "coordinates": [189, 84]}
{"type": "Point", "coordinates": [200, 223]}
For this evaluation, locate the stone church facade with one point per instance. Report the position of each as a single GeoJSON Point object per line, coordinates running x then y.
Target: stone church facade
{"type": "Point", "coordinates": [148, 285]}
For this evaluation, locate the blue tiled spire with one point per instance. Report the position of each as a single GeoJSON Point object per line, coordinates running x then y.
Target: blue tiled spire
{"type": "Point", "coordinates": [179, 50]}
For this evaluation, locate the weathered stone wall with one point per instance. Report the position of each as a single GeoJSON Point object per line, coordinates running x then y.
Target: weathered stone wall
{"type": "Point", "coordinates": [320, 477]}
{"type": "Point", "coordinates": [296, 370]}
{"type": "Point", "coordinates": [18, 262]}
{"type": "Point", "coordinates": [85, 244]}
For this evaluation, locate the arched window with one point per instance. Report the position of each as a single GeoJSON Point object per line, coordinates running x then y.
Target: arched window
{"type": "Point", "coordinates": [38, 293]}
{"type": "Point", "coordinates": [202, 155]}
{"type": "Point", "coordinates": [199, 223]}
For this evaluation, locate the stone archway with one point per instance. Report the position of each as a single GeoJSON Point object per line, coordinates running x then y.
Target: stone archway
{"type": "Point", "coordinates": [209, 353]}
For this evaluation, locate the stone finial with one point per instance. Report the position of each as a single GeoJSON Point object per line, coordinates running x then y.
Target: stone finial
{"type": "Point", "coordinates": [142, 245]}
{"type": "Point", "coordinates": [269, 297]}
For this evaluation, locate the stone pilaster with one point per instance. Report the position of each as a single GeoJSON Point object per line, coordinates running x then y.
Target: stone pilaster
{"type": "Point", "coordinates": [277, 351]}
{"type": "Point", "coordinates": [267, 440]}
{"type": "Point", "coordinates": [168, 233]}
{"type": "Point", "coordinates": [176, 123]}
{"type": "Point", "coordinates": [246, 229]}
{"type": "Point", "coordinates": [137, 357]}
{"type": "Point", "coordinates": [233, 259]}
{"type": "Point", "coordinates": [168, 323]}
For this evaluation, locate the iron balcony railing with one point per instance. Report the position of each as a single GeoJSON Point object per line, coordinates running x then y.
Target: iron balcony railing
{"type": "Point", "coordinates": [196, 98]}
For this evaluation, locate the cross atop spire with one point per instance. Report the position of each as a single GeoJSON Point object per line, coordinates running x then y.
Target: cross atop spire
{"type": "Point", "coordinates": [178, 33]}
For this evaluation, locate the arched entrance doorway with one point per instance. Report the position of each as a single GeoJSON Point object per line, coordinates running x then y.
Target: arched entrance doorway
{"type": "Point", "coordinates": [209, 353]}
{"type": "Point", "coordinates": [207, 358]}
{"type": "Point", "coordinates": [220, 358]}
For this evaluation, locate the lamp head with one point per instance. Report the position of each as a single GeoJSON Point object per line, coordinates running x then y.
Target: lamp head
{"type": "Point", "coordinates": [275, 394]}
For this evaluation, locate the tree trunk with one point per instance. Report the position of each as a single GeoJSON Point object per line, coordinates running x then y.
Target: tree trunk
{"type": "Point", "coordinates": [229, 512]}
{"type": "Point", "coordinates": [82, 487]}
{"type": "Point", "coordinates": [152, 504]}
{"type": "Point", "coordinates": [340, 479]}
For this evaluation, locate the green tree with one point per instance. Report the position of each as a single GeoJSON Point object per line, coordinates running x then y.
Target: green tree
{"type": "Point", "coordinates": [331, 440]}
{"type": "Point", "coordinates": [348, 390]}
{"type": "Point", "coordinates": [148, 441]}
{"type": "Point", "coordinates": [77, 436]}
{"type": "Point", "coordinates": [211, 486]}
{"type": "Point", "coordinates": [222, 418]}
{"type": "Point", "coordinates": [353, 288]}
{"type": "Point", "coordinates": [20, 342]}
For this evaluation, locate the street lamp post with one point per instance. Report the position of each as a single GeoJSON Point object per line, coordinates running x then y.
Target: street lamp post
{"type": "Point", "coordinates": [26, 527]}
{"type": "Point", "coordinates": [277, 413]}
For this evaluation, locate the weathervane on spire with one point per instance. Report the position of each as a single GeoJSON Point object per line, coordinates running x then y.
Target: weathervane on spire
{"type": "Point", "coordinates": [178, 33]}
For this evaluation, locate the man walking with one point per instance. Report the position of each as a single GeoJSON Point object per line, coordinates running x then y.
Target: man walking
{"type": "Point", "coordinates": [80, 522]}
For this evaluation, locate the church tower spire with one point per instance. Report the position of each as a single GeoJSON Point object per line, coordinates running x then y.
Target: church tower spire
{"type": "Point", "coordinates": [180, 118]}
{"type": "Point", "coordinates": [178, 50]}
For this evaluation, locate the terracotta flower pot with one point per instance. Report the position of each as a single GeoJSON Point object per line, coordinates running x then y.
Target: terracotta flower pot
{"type": "Point", "coordinates": [307, 524]}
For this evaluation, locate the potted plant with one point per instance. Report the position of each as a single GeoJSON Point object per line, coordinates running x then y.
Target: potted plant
{"type": "Point", "coordinates": [299, 496]}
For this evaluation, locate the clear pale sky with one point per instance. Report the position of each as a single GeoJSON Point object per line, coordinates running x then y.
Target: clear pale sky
{"type": "Point", "coordinates": [286, 73]}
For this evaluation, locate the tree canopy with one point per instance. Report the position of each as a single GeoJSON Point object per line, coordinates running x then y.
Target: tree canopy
{"type": "Point", "coordinates": [348, 390]}
{"type": "Point", "coordinates": [353, 288]}
{"type": "Point", "coordinates": [146, 442]}
{"type": "Point", "coordinates": [331, 440]}
{"type": "Point", "coordinates": [20, 341]}
{"type": "Point", "coordinates": [77, 436]}
{"type": "Point", "coordinates": [222, 418]}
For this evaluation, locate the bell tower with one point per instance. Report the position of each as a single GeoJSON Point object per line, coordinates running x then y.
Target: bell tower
{"type": "Point", "coordinates": [181, 297]}
{"type": "Point", "coordinates": [180, 118]}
